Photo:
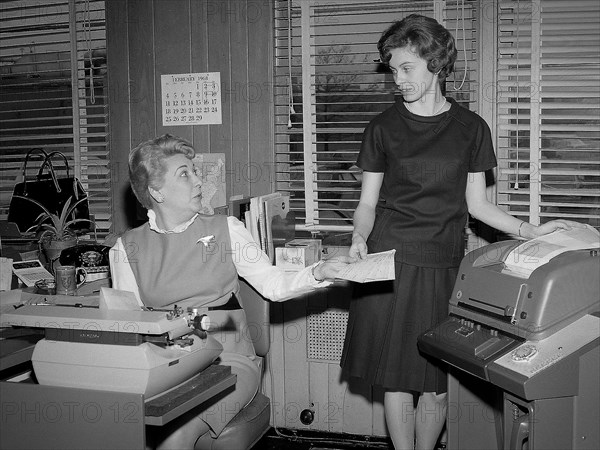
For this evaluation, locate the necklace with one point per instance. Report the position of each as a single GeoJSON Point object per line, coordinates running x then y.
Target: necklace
{"type": "Point", "coordinates": [435, 113]}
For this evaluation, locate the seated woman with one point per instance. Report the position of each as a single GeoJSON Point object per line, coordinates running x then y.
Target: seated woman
{"type": "Point", "coordinates": [184, 258]}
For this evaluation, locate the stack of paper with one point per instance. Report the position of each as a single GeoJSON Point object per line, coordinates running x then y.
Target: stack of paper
{"type": "Point", "coordinates": [530, 255]}
{"type": "Point", "coordinates": [5, 274]}
{"type": "Point", "coordinates": [270, 221]}
{"type": "Point", "coordinates": [375, 267]}
{"type": "Point", "coordinates": [212, 168]}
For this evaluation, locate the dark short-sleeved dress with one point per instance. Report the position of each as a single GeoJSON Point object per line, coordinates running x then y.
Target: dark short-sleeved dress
{"type": "Point", "coordinates": [421, 213]}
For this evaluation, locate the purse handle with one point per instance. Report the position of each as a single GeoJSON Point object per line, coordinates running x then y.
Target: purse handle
{"type": "Point", "coordinates": [29, 153]}
{"type": "Point", "coordinates": [45, 154]}
{"type": "Point", "coordinates": [48, 162]}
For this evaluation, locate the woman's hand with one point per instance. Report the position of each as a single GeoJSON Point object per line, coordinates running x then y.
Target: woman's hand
{"type": "Point", "coordinates": [531, 231]}
{"type": "Point", "coordinates": [328, 269]}
{"type": "Point", "coordinates": [358, 249]}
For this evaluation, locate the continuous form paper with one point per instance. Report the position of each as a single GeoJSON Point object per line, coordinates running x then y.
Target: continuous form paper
{"type": "Point", "coordinates": [5, 273]}
{"type": "Point", "coordinates": [375, 267]}
{"type": "Point", "coordinates": [530, 255]}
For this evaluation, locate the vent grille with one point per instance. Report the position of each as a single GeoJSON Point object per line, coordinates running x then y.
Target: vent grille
{"type": "Point", "coordinates": [325, 334]}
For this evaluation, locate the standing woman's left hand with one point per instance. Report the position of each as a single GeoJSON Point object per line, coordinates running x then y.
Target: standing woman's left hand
{"type": "Point", "coordinates": [549, 227]}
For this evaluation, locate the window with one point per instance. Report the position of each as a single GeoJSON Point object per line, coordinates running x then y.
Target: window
{"type": "Point", "coordinates": [548, 110]}
{"type": "Point", "coordinates": [53, 94]}
{"type": "Point", "coordinates": [329, 85]}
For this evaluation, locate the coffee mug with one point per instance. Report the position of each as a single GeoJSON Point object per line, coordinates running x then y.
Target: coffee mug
{"type": "Point", "coordinates": [66, 279]}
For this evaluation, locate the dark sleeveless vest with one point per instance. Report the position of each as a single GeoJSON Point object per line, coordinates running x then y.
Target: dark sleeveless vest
{"type": "Point", "coordinates": [178, 269]}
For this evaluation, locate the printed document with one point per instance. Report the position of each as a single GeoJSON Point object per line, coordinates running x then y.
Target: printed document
{"type": "Point", "coordinates": [530, 255]}
{"type": "Point", "coordinates": [375, 267]}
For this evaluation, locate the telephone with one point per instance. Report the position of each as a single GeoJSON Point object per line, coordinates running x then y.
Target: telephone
{"type": "Point", "coordinates": [92, 257]}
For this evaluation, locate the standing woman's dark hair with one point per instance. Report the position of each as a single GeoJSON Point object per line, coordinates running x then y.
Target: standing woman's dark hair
{"type": "Point", "coordinates": [430, 40]}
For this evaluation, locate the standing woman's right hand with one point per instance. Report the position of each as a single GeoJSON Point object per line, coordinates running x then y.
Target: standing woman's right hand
{"type": "Point", "coordinates": [358, 249]}
{"type": "Point", "coordinates": [364, 216]}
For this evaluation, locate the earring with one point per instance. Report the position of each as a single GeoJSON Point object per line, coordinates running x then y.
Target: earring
{"type": "Point", "coordinates": [157, 195]}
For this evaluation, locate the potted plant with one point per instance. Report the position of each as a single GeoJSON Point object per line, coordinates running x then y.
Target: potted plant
{"type": "Point", "coordinates": [55, 231]}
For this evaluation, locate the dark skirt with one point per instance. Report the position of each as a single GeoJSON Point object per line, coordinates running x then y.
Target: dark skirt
{"type": "Point", "coordinates": [384, 322]}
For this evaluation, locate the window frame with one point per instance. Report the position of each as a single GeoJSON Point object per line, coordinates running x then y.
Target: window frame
{"type": "Point", "coordinates": [67, 38]}
{"type": "Point", "coordinates": [535, 114]}
{"type": "Point", "coordinates": [486, 100]}
{"type": "Point", "coordinates": [304, 100]}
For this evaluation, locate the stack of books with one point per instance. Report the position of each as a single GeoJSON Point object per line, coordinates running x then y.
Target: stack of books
{"type": "Point", "coordinates": [267, 217]}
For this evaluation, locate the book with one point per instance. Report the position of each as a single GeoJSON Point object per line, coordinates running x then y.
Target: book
{"type": "Point", "coordinates": [238, 205]}
{"type": "Point", "coordinates": [252, 219]}
{"type": "Point", "coordinates": [275, 212]}
{"type": "Point", "coordinates": [257, 208]}
{"type": "Point", "coordinates": [252, 226]}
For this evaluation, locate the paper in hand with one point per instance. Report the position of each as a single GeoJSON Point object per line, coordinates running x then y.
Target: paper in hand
{"type": "Point", "coordinates": [375, 267]}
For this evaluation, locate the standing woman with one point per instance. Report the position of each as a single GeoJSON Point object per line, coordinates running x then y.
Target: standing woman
{"type": "Point", "coordinates": [423, 163]}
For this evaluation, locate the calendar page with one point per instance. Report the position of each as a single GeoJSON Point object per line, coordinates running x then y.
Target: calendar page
{"type": "Point", "coordinates": [191, 99]}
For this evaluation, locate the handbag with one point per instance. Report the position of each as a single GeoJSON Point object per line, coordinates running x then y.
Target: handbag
{"type": "Point", "coordinates": [50, 190]}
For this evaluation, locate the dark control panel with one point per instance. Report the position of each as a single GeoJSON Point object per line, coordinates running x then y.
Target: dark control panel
{"type": "Point", "coordinates": [467, 344]}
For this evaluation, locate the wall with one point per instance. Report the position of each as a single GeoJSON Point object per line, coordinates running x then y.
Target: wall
{"type": "Point", "coordinates": [146, 39]}
{"type": "Point", "coordinates": [149, 38]}
{"type": "Point", "coordinates": [307, 337]}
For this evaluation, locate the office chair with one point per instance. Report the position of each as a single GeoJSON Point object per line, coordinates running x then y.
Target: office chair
{"type": "Point", "coordinates": [252, 422]}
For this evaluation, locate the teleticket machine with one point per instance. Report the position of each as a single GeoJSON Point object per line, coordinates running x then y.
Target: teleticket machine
{"type": "Point", "coordinates": [523, 352]}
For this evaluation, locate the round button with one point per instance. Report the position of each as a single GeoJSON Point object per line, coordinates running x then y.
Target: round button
{"type": "Point", "coordinates": [205, 323]}
{"type": "Point", "coordinates": [524, 353]}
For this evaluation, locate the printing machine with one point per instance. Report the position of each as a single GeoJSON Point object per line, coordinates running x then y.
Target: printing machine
{"type": "Point", "coordinates": [523, 352]}
{"type": "Point", "coordinates": [138, 351]}
{"type": "Point", "coordinates": [100, 373]}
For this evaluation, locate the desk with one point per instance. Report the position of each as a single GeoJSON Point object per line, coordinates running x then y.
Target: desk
{"type": "Point", "coordinates": [42, 417]}
{"type": "Point", "coordinates": [16, 346]}
{"type": "Point", "coordinates": [35, 416]}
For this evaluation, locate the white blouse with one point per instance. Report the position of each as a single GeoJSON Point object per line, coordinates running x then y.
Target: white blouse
{"type": "Point", "coordinates": [250, 261]}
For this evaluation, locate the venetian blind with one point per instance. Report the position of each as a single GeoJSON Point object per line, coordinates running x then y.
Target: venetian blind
{"type": "Point", "coordinates": [53, 94]}
{"type": "Point", "coordinates": [329, 85]}
{"type": "Point", "coordinates": [549, 109]}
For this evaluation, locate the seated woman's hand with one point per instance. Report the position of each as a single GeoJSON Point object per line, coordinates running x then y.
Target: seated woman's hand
{"type": "Point", "coordinates": [329, 268]}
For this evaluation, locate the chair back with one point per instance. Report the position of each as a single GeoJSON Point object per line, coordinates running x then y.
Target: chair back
{"type": "Point", "coordinates": [257, 315]}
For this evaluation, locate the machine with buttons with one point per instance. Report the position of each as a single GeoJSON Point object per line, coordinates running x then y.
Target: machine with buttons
{"type": "Point", "coordinates": [523, 352]}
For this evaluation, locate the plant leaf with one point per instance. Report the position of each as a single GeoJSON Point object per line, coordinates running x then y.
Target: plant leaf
{"type": "Point", "coordinates": [74, 205]}
{"type": "Point", "coordinates": [49, 228]}
{"type": "Point", "coordinates": [59, 224]}
{"type": "Point", "coordinates": [71, 222]}
{"type": "Point", "coordinates": [65, 211]}
{"type": "Point", "coordinates": [34, 201]}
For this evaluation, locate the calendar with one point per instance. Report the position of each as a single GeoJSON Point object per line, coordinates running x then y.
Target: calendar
{"type": "Point", "coordinates": [191, 99]}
